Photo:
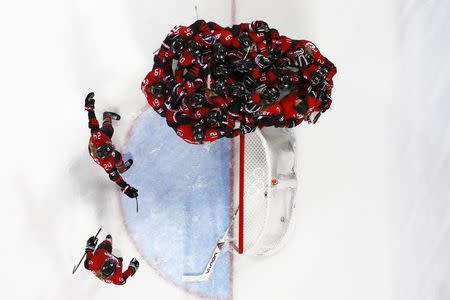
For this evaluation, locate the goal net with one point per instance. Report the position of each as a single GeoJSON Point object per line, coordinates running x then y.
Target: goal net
{"type": "Point", "coordinates": [264, 186]}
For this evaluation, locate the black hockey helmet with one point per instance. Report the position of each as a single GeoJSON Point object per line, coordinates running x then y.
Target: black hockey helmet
{"type": "Point", "coordinates": [271, 93]}
{"type": "Point", "coordinates": [213, 117]}
{"type": "Point", "coordinates": [220, 86]}
{"type": "Point", "coordinates": [199, 132]}
{"type": "Point", "coordinates": [220, 71]}
{"type": "Point", "coordinates": [177, 44]}
{"type": "Point", "coordinates": [245, 40]}
{"type": "Point", "coordinates": [159, 90]}
{"type": "Point", "coordinates": [104, 150]}
{"type": "Point", "coordinates": [243, 66]}
{"type": "Point", "coordinates": [108, 268]}
{"type": "Point", "coordinates": [238, 90]}
{"type": "Point", "coordinates": [220, 53]}
{"type": "Point", "coordinates": [262, 61]}
{"type": "Point", "coordinates": [260, 26]}
{"type": "Point", "coordinates": [196, 100]}
{"type": "Point", "coordinates": [193, 47]}
{"type": "Point", "coordinates": [284, 81]}
{"type": "Point", "coordinates": [249, 81]}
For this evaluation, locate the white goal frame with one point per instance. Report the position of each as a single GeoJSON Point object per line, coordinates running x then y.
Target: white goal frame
{"type": "Point", "coordinates": [264, 187]}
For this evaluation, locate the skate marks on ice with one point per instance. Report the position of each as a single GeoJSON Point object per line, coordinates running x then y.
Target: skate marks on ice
{"type": "Point", "coordinates": [183, 204]}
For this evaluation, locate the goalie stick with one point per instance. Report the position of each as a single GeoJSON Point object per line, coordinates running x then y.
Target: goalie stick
{"type": "Point", "coordinates": [212, 261]}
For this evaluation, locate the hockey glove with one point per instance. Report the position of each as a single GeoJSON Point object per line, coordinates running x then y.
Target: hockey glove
{"type": "Point", "coordinates": [130, 191]}
{"type": "Point", "coordinates": [134, 264]}
{"type": "Point", "coordinates": [89, 102]}
{"type": "Point", "coordinates": [91, 243]}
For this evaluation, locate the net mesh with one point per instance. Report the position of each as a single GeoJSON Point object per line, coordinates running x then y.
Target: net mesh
{"type": "Point", "coordinates": [265, 210]}
{"type": "Point", "coordinates": [256, 189]}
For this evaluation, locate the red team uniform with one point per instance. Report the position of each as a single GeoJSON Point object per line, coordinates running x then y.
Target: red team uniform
{"type": "Point", "coordinates": [211, 60]}
{"type": "Point", "coordinates": [103, 151]}
{"type": "Point", "coordinates": [106, 266]}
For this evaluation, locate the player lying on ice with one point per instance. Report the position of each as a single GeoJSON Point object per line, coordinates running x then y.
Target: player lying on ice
{"type": "Point", "coordinates": [102, 150]}
{"type": "Point", "coordinates": [105, 265]}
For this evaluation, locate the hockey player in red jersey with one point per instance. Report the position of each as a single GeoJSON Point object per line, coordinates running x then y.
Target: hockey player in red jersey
{"type": "Point", "coordinates": [103, 151]}
{"type": "Point", "coordinates": [313, 66]}
{"type": "Point", "coordinates": [105, 265]}
{"type": "Point", "coordinates": [154, 86]}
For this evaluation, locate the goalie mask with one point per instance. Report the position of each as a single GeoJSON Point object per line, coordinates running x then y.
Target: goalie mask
{"type": "Point", "coordinates": [104, 150]}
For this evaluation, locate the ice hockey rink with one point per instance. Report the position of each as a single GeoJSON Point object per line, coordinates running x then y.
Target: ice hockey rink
{"type": "Point", "coordinates": [373, 211]}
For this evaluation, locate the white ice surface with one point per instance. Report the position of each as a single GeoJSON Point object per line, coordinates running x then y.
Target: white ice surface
{"type": "Point", "coordinates": [373, 213]}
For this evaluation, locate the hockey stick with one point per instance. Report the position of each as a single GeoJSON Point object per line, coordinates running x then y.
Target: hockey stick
{"type": "Point", "coordinates": [137, 205]}
{"type": "Point", "coordinates": [196, 12]}
{"type": "Point", "coordinates": [212, 261]}
{"type": "Point", "coordinates": [79, 263]}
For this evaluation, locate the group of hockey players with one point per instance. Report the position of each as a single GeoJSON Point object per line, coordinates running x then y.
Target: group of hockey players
{"type": "Point", "coordinates": [210, 82]}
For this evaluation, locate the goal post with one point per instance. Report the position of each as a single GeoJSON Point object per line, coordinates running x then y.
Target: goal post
{"type": "Point", "coordinates": [264, 185]}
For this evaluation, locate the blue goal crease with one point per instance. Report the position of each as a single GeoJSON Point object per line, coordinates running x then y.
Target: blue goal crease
{"type": "Point", "coordinates": [184, 203]}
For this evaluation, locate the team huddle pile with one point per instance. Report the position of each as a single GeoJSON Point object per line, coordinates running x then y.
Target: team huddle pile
{"type": "Point", "coordinates": [211, 82]}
